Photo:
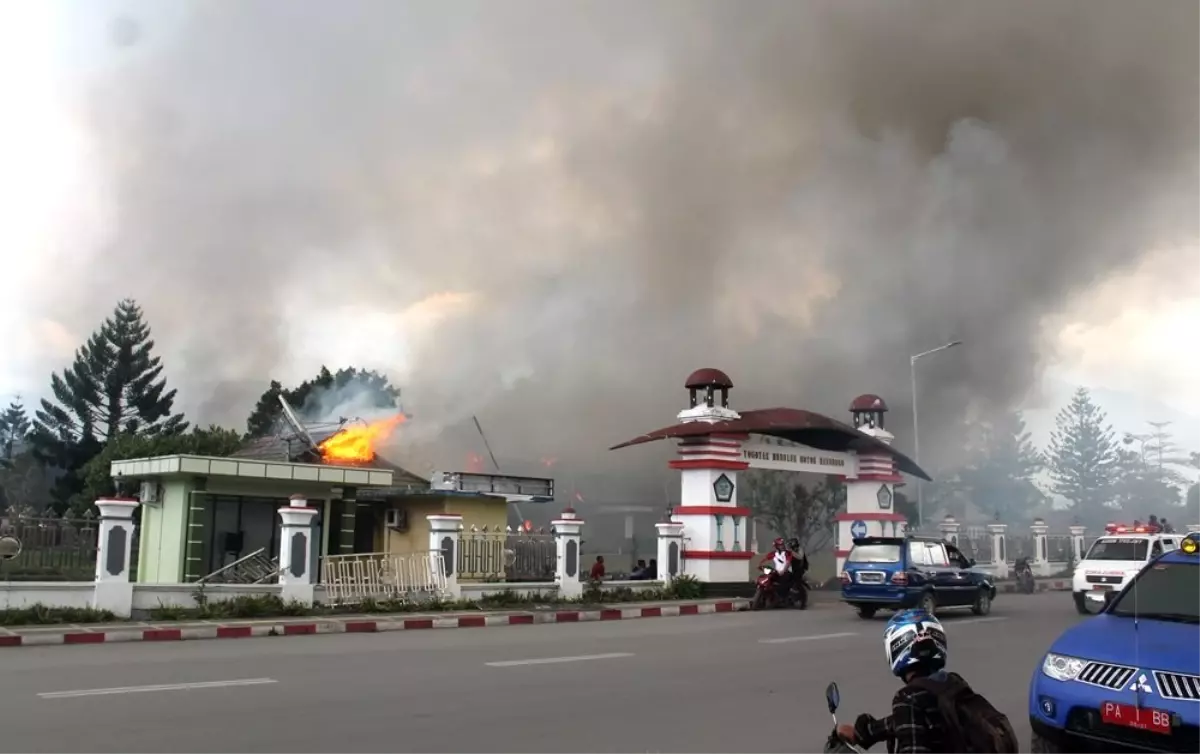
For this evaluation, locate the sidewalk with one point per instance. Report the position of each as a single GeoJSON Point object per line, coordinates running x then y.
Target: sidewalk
{"type": "Point", "coordinates": [104, 633]}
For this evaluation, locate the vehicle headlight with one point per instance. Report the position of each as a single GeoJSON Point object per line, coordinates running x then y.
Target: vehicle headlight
{"type": "Point", "coordinates": [1062, 667]}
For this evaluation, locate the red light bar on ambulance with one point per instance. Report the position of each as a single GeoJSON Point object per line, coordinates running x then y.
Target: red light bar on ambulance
{"type": "Point", "coordinates": [1128, 529]}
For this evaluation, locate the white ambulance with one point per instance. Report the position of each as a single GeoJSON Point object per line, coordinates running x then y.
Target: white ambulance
{"type": "Point", "coordinates": [1115, 558]}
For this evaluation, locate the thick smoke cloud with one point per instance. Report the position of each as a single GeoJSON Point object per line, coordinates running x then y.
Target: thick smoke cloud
{"type": "Point", "coordinates": [609, 195]}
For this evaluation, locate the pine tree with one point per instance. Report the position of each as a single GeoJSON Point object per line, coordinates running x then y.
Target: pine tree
{"type": "Point", "coordinates": [1083, 454]}
{"type": "Point", "coordinates": [113, 386]}
{"type": "Point", "coordinates": [14, 429]}
{"type": "Point", "coordinates": [313, 399]}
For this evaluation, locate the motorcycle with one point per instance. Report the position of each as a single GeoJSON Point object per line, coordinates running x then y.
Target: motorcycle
{"type": "Point", "coordinates": [835, 744]}
{"type": "Point", "coordinates": [767, 591]}
{"type": "Point", "coordinates": [1024, 573]}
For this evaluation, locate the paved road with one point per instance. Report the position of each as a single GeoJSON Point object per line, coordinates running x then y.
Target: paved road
{"type": "Point", "coordinates": [738, 682]}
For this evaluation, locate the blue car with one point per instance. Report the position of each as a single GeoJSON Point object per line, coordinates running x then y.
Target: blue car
{"type": "Point", "coordinates": [896, 573]}
{"type": "Point", "coordinates": [1129, 678]}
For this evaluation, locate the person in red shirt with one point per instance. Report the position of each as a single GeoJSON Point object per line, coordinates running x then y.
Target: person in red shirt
{"type": "Point", "coordinates": [597, 573]}
{"type": "Point", "coordinates": [783, 562]}
{"type": "Point", "coordinates": [780, 559]}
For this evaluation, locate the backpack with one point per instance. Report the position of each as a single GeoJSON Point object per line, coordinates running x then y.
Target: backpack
{"type": "Point", "coordinates": [972, 723]}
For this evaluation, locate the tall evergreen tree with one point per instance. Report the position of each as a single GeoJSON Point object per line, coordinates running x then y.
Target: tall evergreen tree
{"type": "Point", "coordinates": [14, 430]}
{"type": "Point", "coordinates": [347, 388]}
{"type": "Point", "coordinates": [113, 386]}
{"type": "Point", "coordinates": [1083, 455]}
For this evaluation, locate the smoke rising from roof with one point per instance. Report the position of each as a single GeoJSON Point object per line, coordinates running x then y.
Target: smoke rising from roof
{"type": "Point", "coordinates": [617, 193]}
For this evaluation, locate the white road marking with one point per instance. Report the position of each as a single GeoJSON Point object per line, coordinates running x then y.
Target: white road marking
{"type": "Point", "coordinates": [553, 660]}
{"type": "Point", "coordinates": [815, 637]}
{"type": "Point", "coordinates": [975, 620]}
{"type": "Point", "coordinates": [160, 687]}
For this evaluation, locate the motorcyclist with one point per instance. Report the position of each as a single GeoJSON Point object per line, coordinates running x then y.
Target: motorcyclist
{"type": "Point", "coordinates": [799, 558]}
{"type": "Point", "coordinates": [781, 559]}
{"type": "Point", "coordinates": [799, 568]}
{"type": "Point", "coordinates": [915, 644]}
{"type": "Point", "coordinates": [916, 649]}
{"type": "Point", "coordinates": [1024, 573]}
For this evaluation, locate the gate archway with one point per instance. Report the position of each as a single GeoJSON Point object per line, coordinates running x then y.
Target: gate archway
{"type": "Point", "coordinates": [715, 443]}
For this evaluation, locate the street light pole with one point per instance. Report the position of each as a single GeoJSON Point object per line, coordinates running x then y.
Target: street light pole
{"type": "Point", "coordinates": [912, 364]}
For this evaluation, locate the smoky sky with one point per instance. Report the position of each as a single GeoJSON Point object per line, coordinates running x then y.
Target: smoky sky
{"type": "Point", "coordinates": [800, 193]}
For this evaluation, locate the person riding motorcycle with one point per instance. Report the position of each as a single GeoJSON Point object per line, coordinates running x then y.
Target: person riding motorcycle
{"type": "Point", "coordinates": [783, 561]}
{"type": "Point", "coordinates": [799, 569]}
{"type": "Point", "coordinates": [799, 558]}
{"type": "Point", "coordinates": [922, 720]}
{"type": "Point", "coordinates": [915, 644]}
{"type": "Point", "coordinates": [1023, 572]}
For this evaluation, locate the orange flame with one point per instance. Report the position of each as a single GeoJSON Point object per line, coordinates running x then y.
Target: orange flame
{"type": "Point", "coordinates": [358, 444]}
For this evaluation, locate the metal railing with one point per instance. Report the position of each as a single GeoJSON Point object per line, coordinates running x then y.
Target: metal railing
{"type": "Point", "coordinates": [255, 568]}
{"type": "Point", "coordinates": [351, 579]}
{"type": "Point", "coordinates": [52, 549]}
{"type": "Point", "coordinates": [504, 555]}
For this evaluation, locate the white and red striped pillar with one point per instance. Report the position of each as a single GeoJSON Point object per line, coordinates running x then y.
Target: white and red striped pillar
{"type": "Point", "coordinates": [870, 503]}
{"type": "Point", "coordinates": [716, 530]}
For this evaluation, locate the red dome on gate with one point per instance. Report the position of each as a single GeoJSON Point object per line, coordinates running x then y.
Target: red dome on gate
{"type": "Point", "coordinates": [708, 377]}
{"type": "Point", "coordinates": [868, 402]}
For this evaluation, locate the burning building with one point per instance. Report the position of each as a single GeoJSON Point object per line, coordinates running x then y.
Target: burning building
{"type": "Point", "coordinates": [204, 515]}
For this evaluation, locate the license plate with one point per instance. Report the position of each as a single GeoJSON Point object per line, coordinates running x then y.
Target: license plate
{"type": "Point", "coordinates": [1101, 588]}
{"type": "Point", "coordinates": [1130, 716]}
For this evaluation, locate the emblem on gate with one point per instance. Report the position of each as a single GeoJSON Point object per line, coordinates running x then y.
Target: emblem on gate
{"type": "Point", "coordinates": [723, 489]}
{"type": "Point", "coordinates": [884, 496]}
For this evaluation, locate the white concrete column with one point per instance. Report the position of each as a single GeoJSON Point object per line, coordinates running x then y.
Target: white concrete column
{"type": "Point", "coordinates": [1077, 533]}
{"type": "Point", "coordinates": [567, 530]}
{"type": "Point", "coordinates": [670, 550]}
{"type": "Point", "coordinates": [296, 578]}
{"type": "Point", "coordinates": [114, 592]}
{"type": "Point", "coordinates": [999, 549]}
{"type": "Point", "coordinates": [444, 532]}
{"type": "Point", "coordinates": [1041, 559]}
{"type": "Point", "coordinates": [949, 528]}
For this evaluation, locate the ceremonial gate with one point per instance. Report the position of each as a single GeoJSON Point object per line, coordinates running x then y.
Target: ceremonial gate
{"type": "Point", "coordinates": [716, 442]}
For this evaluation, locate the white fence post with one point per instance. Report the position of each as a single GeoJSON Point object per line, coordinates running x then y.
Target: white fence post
{"type": "Point", "coordinates": [999, 550]}
{"type": "Point", "coordinates": [949, 528]}
{"type": "Point", "coordinates": [444, 532]}
{"type": "Point", "coordinates": [1041, 557]}
{"type": "Point", "coordinates": [670, 550]}
{"type": "Point", "coordinates": [114, 592]}
{"type": "Point", "coordinates": [295, 577]}
{"type": "Point", "coordinates": [567, 530]}
{"type": "Point", "coordinates": [1077, 533]}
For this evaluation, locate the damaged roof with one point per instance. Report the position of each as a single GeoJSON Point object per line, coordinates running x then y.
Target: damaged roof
{"type": "Point", "coordinates": [282, 451]}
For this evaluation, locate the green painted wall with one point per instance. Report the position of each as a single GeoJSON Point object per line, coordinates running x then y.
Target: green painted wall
{"type": "Point", "coordinates": [160, 557]}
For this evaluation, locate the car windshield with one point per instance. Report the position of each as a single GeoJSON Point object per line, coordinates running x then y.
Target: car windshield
{"type": "Point", "coordinates": [877, 553]}
{"type": "Point", "coordinates": [1118, 548]}
{"type": "Point", "coordinates": [1166, 591]}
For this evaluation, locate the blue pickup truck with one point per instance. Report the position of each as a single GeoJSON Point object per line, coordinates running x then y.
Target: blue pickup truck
{"type": "Point", "coordinates": [1129, 678]}
{"type": "Point", "coordinates": [896, 573]}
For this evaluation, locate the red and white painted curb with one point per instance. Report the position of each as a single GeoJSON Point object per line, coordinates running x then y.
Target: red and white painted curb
{"type": "Point", "coordinates": [361, 626]}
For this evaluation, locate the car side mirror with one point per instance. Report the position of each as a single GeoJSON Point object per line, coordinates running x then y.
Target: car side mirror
{"type": "Point", "coordinates": [832, 697]}
{"type": "Point", "coordinates": [1094, 602]}
{"type": "Point", "coordinates": [970, 563]}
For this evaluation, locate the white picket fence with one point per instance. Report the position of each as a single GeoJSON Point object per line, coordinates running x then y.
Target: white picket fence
{"type": "Point", "coordinates": [351, 579]}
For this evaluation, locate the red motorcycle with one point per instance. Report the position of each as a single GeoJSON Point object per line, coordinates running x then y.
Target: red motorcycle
{"type": "Point", "coordinates": [769, 592]}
